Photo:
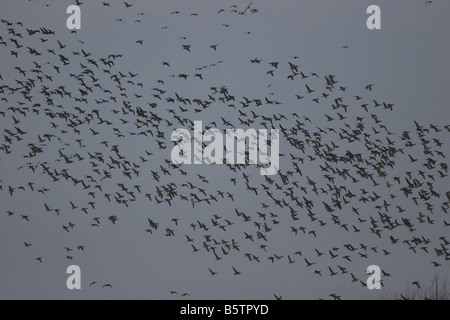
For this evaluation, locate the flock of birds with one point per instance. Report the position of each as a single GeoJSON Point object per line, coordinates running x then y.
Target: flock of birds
{"type": "Point", "coordinates": [90, 111]}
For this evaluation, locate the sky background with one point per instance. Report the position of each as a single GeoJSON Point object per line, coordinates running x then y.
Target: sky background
{"type": "Point", "coordinates": [406, 61]}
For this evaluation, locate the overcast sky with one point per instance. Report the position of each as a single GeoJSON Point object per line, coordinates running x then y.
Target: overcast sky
{"type": "Point", "coordinates": [406, 61]}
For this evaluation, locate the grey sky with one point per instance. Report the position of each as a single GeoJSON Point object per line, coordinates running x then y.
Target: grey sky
{"type": "Point", "coordinates": [406, 61]}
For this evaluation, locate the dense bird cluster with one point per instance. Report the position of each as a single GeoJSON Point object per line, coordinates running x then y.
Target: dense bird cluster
{"type": "Point", "coordinates": [72, 117]}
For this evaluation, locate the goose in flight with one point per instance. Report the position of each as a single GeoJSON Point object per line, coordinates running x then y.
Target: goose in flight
{"type": "Point", "coordinates": [308, 264]}
{"type": "Point", "coordinates": [113, 219]}
{"type": "Point", "coordinates": [309, 89]}
{"type": "Point", "coordinates": [61, 46]}
{"type": "Point", "coordinates": [290, 260]}
{"type": "Point", "coordinates": [47, 209]}
{"type": "Point", "coordinates": [212, 272]}
{"type": "Point", "coordinates": [335, 296]}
